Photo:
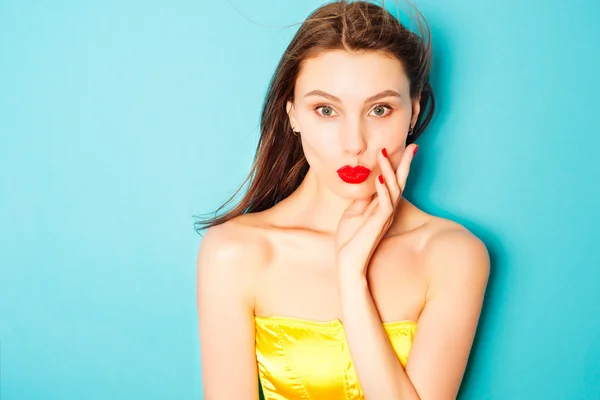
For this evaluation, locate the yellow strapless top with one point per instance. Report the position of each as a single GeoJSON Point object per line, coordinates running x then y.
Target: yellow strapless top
{"type": "Point", "coordinates": [305, 359]}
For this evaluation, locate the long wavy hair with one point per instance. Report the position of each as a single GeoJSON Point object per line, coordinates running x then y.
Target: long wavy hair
{"type": "Point", "coordinates": [279, 164]}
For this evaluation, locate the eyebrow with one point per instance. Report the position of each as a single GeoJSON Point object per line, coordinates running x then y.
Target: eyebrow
{"type": "Point", "coordinates": [385, 93]}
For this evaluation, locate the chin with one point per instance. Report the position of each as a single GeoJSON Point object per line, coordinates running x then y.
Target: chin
{"type": "Point", "coordinates": [354, 191]}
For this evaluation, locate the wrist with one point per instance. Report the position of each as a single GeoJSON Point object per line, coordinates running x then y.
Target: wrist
{"type": "Point", "coordinates": [352, 279]}
{"type": "Point", "coordinates": [353, 290]}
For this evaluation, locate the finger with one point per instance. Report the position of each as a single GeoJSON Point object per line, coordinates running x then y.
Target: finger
{"type": "Point", "coordinates": [404, 167]}
{"type": "Point", "coordinates": [358, 206]}
{"type": "Point", "coordinates": [377, 224]}
{"type": "Point", "coordinates": [389, 176]}
{"type": "Point", "coordinates": [371, 207]}
{"type": "Point", "coordinates": [386, 207]}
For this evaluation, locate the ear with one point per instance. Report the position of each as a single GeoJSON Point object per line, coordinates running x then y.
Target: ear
{"type": "Point", "coordinates": [291, 112]}
{"type": "Point", "coordinates": [416, 109]}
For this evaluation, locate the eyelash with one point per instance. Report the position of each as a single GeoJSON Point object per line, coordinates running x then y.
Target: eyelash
{"type": "Point", "coordinates": [384, 105]}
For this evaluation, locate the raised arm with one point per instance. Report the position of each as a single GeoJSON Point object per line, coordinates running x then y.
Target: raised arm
{"type": "Point", "coordinates": [226, 316]}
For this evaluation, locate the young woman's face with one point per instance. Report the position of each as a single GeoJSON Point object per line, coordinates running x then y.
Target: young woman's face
{"type": "Point", "coordinates": [347, 107]}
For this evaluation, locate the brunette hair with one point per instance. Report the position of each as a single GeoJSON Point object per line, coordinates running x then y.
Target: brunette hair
{"type": "Point", "coordinates": [279, 164]}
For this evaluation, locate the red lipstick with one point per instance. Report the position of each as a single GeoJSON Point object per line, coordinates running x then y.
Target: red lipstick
{"type": "Point", "coordinates": [356, 174]}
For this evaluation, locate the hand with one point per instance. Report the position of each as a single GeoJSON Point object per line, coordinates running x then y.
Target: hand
{"type": "Point", "coordinates": [366, 221]}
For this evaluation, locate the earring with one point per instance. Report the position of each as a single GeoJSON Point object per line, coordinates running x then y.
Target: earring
{"type": "Point", "coordinates": [410, 132]}
{"type": "Point", "coordinates": [294, 132]}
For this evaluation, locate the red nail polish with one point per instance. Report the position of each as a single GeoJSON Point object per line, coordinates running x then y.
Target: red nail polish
{"type": "Point", "coordinates": [384, 152]}
{"type": "Point", "coordinates": [415, 150]}
{"type": "Point", "coordinates": [380, 178]}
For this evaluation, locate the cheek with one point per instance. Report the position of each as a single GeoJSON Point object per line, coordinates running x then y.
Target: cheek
{"type": "Point", "coordinates": [392, 138]}
{"type": "Point", "coordinates": [397, 144]}
{"type": "Point", "coordinates": [318, 137]}
{"type": "Point", "coordinates": [321, 143]}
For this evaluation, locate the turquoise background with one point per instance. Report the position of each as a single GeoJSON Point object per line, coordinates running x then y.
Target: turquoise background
{"type": "Point", "coordinates": [119, 120]}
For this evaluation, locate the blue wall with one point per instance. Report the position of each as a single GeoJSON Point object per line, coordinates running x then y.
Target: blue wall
{"type": "Point", "coordinates": [119, 120]}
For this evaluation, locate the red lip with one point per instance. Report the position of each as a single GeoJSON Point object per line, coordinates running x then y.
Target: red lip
{"type": "Point", "coordinates": [356, 174]}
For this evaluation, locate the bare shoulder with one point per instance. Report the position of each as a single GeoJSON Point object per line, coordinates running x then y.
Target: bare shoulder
{"type": "Point", "coordinates": [448, 251]}
{"type": "Point", "coordinates": [441, 229]}
{"type": "Point", "coordinates": [238, 243]}
{"type": "Point", "coordinates": [233, 254]}
{"type": "Point", "coordinates": [448, 238]}
{"type": "Point", "coordinates": [453, 252]}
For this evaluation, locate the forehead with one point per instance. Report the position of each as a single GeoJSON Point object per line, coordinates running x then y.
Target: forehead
{"type": "Point", "coordinates": [355, 75]}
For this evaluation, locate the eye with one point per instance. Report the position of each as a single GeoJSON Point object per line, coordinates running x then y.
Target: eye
{"type": "Point", "coordinates": [380, 109]}
{"type": "Point", "coordinates": [326, 110]}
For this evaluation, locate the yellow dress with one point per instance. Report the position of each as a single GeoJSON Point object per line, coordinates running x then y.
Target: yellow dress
{"type": "Point", "coordinates": [305, 359]}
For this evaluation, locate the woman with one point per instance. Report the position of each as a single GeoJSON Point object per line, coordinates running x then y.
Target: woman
{"type": "Point", "coordinates": [323, 279]}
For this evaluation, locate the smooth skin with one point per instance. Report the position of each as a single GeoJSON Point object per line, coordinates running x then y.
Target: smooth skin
{"type": "Point", "coordinates": [290, 260]}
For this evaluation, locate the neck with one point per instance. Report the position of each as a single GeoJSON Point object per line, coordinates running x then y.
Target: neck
{"type": "Point", "coordinates": [314, 206]}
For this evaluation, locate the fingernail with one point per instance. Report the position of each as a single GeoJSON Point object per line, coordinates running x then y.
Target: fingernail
{"type": "Point", "coordinates": [384, 152]}
{"type": "Point", "coordinates": [415, 150]}
{"type": "Point", "coordinates": [380, 178]}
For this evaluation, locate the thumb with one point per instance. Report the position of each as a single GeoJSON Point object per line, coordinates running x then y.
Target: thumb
{"type": "Point", "coordinates": [358, 206]}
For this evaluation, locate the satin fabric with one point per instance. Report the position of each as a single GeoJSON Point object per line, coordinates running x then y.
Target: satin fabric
{"type": "Point", "coordinates": [305, 359]}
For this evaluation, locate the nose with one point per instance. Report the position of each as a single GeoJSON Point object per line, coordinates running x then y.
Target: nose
{"type": "Point", "coordinates": [353, 139]}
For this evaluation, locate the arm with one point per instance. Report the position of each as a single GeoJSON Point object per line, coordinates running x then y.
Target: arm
{"type": "Point", "coordinates": [458, 264]}
{"type": "Point", "coordinates": [226, 317]}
